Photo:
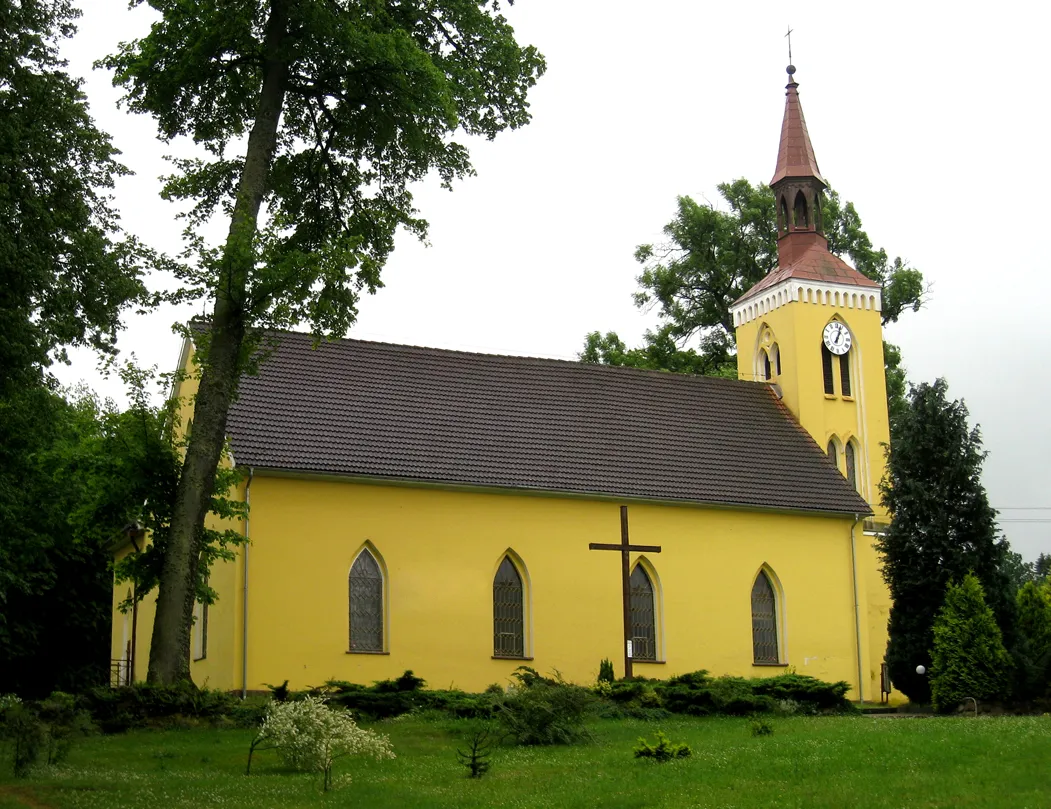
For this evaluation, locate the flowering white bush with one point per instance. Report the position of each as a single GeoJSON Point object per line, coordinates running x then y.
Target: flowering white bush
{"type": "Point", "coordinates": [309, 736]}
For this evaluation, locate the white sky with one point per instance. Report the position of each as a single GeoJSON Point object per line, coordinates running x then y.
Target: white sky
{"type": "Point", "coordinates": [929, 116]}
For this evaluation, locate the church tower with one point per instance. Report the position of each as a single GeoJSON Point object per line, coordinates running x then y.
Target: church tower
{"type": "Point", "coordinates": [812, 327]}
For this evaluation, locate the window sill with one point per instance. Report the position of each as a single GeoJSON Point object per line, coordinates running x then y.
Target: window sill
{"type": "Point", "coordinates": [848, 398]}
{"type": "Point", "coordinates": [771, 665]}
{"type": "Point", "coordinates": [831, 397]}
{"type": "Point", "coordinates": [364, 652]}
{"type": "Point", "coordinates": [635, 660]}
{"type": "Point", "coordinates": [511, 657]}
{"type": "Point", "coordinates": [199, 659]}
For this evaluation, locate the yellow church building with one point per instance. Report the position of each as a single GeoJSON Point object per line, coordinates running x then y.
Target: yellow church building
{"type": "Point", "coordinates": [424, 509]}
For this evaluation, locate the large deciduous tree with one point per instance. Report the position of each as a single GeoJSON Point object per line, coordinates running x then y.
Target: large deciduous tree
{"type": "Point", "coordinates": [713, 256]}
{"type": "Point", "coordinates": [68, 271]}
{"type": "Point", "coordinates": [316, 115]}
{"type": "Point", "coordinates": [942, 528]}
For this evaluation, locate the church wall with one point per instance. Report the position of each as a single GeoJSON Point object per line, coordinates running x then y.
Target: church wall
{"type": "Point", "coordinates": [441, 550]}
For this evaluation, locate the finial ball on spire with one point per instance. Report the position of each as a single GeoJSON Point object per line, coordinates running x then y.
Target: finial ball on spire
{"type": "Point", "coordinates": [791, 69]}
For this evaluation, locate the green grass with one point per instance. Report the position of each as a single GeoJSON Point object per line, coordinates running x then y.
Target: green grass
{"type": "Point", "coordinates": [806, 762]}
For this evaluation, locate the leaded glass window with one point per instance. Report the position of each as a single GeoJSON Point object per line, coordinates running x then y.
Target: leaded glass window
{"type": "Point", "coordinates": [852, 465]}
{"type": "Point", "coordinates": [764, 621]}
{"type": "Point", "coordinates": [832, 454]}
{"type": "Point", "coordinates": [508, 611]}
{"type": "Point", "coordinates": [643, 626]}
{"type": "Point", "coordinates": [826, 369]}
{"type": "Point", "coordinates": [366, 604]}
{"type": "Point", "coordinates": [844, 372]}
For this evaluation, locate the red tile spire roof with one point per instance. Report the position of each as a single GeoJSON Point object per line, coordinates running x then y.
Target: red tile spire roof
{"type": "Point", "coordinates": [795, 155]}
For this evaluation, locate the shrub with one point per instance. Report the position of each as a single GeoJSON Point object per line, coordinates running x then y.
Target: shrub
{"type": "Point", "coordinates": [27, 734]}
{"type": "Point", "coordinates": [761, 727]}
{"type": "Point", "coordinates": [476, 757]}
{"type": "Point", "coordinates": [545, 712]}
{"type": "Point", "coordinates": [605, 671]}
{"type": "Point", "coordinates": [968, 658]}
{"type": "Point", "coordinates": [119, 709]}
{"type": "Point", "coordinates": [309, 736]}
{"type": "Point", "coordinates": [662, 750]}
{"type": "Point", "coordinates": [1032, 651]}
{"type": "Point", "coordinates": [63, 722]}
{"type": "Point", "coordinates": [699, 695]}
{"type": "Point", "coordinates": [807, 691]}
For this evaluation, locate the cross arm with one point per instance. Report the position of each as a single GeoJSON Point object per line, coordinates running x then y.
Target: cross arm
{"type": "Point", "coordinates": [606, 546]}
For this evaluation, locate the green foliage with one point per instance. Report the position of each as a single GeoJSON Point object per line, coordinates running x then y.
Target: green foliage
{"type": "Point", "coordinates": [545, 711]}
{"type": "Point", "coordinates": [68, 271]}
{"type": "Point", "coordinates": [605, 671]}
{"type": "Point", "coordinates": [44, 729]}
{"type": "Point", "coordinates": [346, 106]}
{"type": "Point", "coordinates": [389, 698]}
{"type": "Point", "coordinates": [761, 726]}
{"type": "Point", "coordinates": [968, 658]}
{"type": "Point", "coordinates": [942, 527]}
{"type": "Point", "coordinates": [699, 694]}
{"type": "Point", "coordinates": [116, 710]}
{"type": "Point", "coordinates": [662, 749]}
{"type": "Point", "coordinates": [476, 758]}
{"type": "Point", "coordinates": [1032, 651]}
{"type": "Point", "coordinates": [712, 256]}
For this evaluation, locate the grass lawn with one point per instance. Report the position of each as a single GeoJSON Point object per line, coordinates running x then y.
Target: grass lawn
{"type": "Point", "coordinates": [807, 762]}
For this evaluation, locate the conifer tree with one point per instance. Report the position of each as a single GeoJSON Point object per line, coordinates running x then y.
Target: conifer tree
{"type": "Point", "coordinates": [942, 528]}
{"type": "Point", "coordinates": [968, 658]}
{"type": "Point", "coordinates": [1032, 652]}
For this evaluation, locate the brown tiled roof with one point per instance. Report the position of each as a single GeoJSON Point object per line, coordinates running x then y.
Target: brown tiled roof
{"type": "Point", "coordinates": [813, 263]}
{"type": "Point", "coordinates": [420, 414]}
{"type": "Point", "coordinates": [795, 154]}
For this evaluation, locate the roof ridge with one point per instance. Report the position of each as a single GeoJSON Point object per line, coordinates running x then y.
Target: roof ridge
{"type": "Point", "coordinates": [599, 367]}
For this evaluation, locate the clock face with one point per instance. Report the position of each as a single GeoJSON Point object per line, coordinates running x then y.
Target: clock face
{"type": "Point", "coordinates": [837, 338]}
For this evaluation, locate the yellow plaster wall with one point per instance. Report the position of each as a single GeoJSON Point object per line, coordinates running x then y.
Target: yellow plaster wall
{"type": "Point", "coordinates": [441, 549]}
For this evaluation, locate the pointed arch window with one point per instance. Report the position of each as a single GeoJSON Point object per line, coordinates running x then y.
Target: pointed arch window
{"type": "Point", "coordinates": [200, 630]}
{"type": "Point", "coordinates": [800, 212]}
{"type": "Point", "coordinates": [764, 621]}
{"type": "Point", "coordinates": [643, 616]}
{"type": "Point", "coordinates": [786, 223]}
{"type": "Point", "coordinates": [366, 604]}
{"type": "Point", "coordinates": [508, 611]}
{"type": "Point", "coordinates": [826, 370]}
{"type": "Point", "coordinates": [777, 358]}
{"type": "Point", "coordinates": [767, 370]}
{"type": "Point", "coordinates": [852, 464]}
{"type": "Point", "coordinates": [844, 373]}
{"type": "Point", "coordinates": [832, 454]}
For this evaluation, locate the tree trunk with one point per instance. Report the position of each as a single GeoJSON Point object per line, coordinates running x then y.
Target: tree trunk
{"type": "Point", "coordinates": [220, 372]}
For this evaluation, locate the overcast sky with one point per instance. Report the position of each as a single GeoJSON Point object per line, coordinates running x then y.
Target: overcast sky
{"type": "Point", "coordinates": [930, 117]}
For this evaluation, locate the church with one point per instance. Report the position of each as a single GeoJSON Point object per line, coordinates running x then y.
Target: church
{"type": "Point", "coordinates": [435, 510]}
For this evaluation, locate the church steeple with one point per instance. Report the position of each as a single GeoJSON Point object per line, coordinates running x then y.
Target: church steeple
{"type": "Point", "coordinates": [797, 183]}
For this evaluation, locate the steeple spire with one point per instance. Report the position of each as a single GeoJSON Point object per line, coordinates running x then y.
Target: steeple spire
{"type": "Point", "coordinates": [797, 183]}
{"type": "Point", "coordinates": [795, 155]}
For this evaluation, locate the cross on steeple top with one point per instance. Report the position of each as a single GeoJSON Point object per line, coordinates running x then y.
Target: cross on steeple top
{"type": "Point", "coordinates": [789, 36]}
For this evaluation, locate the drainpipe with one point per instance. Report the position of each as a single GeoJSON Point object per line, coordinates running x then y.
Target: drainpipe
{"type": "Point", "coordinates": [244, 595]}
{"type": "Point", "coordinates": [857, 606]}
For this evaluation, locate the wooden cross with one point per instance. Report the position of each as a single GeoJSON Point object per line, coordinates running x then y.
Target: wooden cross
{"type": "Point", "coordinates": [789, 35]}
{"type": "Point", "coordinates": [625, 549]}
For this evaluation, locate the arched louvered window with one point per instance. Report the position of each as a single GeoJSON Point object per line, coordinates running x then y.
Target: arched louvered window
{"type": "Point", "coordinates": [826, 369]}
{"type": "Point", "coordinates": [643, 616]}
{"type": "Point", "coordinates": [764, 621]}
{"type": "Point", "coordinates": [508, 611]}
{"type": "Point", "coordinates": [800, 213]}
{"type": "Point", "coordinates": [832, 456]}
{"type": "Point", "coordinates": [844, 373]}
{"type": "Point", "coordinates": [852, 464]}
{"type": "Point", "coordinates": [366, 604]}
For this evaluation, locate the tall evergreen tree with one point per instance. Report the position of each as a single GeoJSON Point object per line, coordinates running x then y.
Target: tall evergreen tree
{"type": "Point", "coordinates": [1032, 649]}
{"type": "Point", "coordinates": [942, 527]}
{"type": "Point", "coordinates": [968, 657]}
{"type": "Point", "coordinates": [344, 105]}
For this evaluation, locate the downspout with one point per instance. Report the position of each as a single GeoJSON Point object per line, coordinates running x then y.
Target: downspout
{"type": "Point", "coordinates": [857, 605]}
{"type": "Point", "coordinates": [244, 595]}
